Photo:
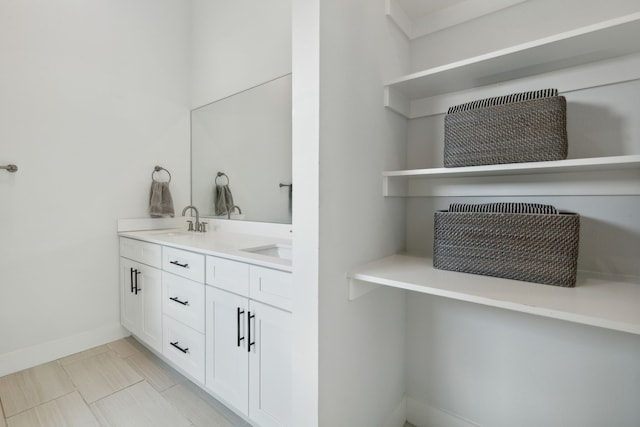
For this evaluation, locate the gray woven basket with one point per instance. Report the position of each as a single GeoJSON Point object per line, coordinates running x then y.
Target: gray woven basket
{"type": "Point", "coordinates": [524, 127]}
{"type": "Point", "coordinates": [540, 248]}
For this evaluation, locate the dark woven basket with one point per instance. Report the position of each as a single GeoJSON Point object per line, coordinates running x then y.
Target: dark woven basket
{"type": "Point", "coordinates": [540, 248]}
{"type": "Point", "coordinates": [525, 127]}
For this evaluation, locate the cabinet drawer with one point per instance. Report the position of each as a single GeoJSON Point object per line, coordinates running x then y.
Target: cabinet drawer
{"type": "Point", "coordinates": [143, 252]}
{"type": "Point", "coordinates": [183, 300]}
{"type": "Point", "coordinates": [232, 276]}
{"type": "Point", "coordinates": [184, 347]}
{"type": "Point", "coordinates": [270, 286]}
{"type": "Point", "coordinates": [183, 263]}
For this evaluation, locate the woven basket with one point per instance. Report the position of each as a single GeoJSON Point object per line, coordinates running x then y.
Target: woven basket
{"type": "Point", "coordinates": [524, 127]}
{"type": "Point", "coordinates": [540, 248]}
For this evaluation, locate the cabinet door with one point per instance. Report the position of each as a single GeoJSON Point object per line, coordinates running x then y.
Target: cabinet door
{"type": "Point", "coordinates": [227, 358]}
{"type": "Point", "coordinates": [130, 309]}
{"type": "Point", "coordinates": [270, 372]}
{"type": "Point", "coordinates": [141, 302]}
{"type": "Point", "coordinates": [150, 291]}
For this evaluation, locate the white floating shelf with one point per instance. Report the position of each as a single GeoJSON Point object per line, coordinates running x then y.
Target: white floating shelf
{"type": "Point", "coordinates": [568, 165]}
{"type": "Point", "coordinates": [624, 170]}
{"type": "Point", "coordinates": [598, 300]}
{"type": "Point", "coordinates": [595, 43]}
{"type": "Point", "coordinates": [605, 40]}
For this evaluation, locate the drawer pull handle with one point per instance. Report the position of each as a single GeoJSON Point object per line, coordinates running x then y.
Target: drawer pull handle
{"type": "Point", "coordinates": [175, 299]}
{"type": "Point", "coordinates": [185, 265]}
{"type": "Point", "coordinates": [184, 350]}
{"type": "Point", "coordinates": [240, 312]}
{"type": "Point", "coordinates": [251, 316]}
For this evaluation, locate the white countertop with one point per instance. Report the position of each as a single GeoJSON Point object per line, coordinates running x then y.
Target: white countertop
{"type": "Point", "coordinates": [222, 244]}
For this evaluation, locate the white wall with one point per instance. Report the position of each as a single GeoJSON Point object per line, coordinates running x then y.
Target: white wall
{"type": "Point", "coordinates": [494, 367]}
{"type": "Point", "coordinates": [94, 94]}
{"type": "Point", "coordinates": [530, 20]}
{"type": "Point", "coordinates": [237, 45]}
{"type": "Point", "coordinates": [500, 368]}
{"type": "Point", "coordinates": [361, 342]}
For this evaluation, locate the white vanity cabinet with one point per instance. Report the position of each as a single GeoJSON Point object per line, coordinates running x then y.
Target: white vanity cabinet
{"type": "Point", "coordinates": [249, 342]}
{"type": "Point", "coordinates": [141, 290]}
{"type": "Point", "coordinates": [230, 333]}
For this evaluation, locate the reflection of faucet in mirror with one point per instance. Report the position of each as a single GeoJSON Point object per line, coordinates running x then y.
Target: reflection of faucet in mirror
{"type": "Point", "coordinates": [290, 188]}
{"type": "Point", "coordinates": [234, 207]}
{"type": "Point", "coordinates": [199, 226]}
{"type": "Point", "coordinates": [290, 193]}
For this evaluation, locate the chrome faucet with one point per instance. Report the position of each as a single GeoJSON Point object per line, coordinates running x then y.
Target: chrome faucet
{"type": "Point", "coordinates": [199, 226]}
{"type": "Point", "coordinates": [234, 207]}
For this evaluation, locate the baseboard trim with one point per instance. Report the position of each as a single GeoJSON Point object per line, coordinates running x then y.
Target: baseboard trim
{"type": "Point", "coordinates": [398, 417]}
{"type": "Point", "coordinates": [424, 415]}
{"type": "Point", "coordinates": [46, 352]}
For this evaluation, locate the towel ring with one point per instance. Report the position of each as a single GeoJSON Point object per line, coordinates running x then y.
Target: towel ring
{"type": "Point", "coordinates": [222, 174]}
{"type": "Point", "coordinates": [158, 169]}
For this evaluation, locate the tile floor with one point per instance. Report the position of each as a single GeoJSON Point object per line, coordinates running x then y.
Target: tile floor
{"type": "Point", "coordinates": [120, 384]}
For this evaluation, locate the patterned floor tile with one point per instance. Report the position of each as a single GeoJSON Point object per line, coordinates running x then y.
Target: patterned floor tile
{"type": "Point", "coordinates": [155, 371]}
{"type": "Point", "coordinates": [195, 408]}
{"type": "Point", "coordinates": [138, 406]}
{"type": "Point", "coordinates": [101, 375]}
{"type": "Point", "coordinates": [66, 411]}
{"type": "Point", "coordinates": [29, 388]}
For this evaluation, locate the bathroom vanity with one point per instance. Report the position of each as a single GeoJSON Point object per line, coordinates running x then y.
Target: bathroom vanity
{"type": "Point", "coordinates": [216, 306]}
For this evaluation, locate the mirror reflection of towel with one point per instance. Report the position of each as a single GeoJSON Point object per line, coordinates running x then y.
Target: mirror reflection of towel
{"type": "Point", "coordinates": [223, 200]}
{"type": "Point", "coordinates": [160, 200]}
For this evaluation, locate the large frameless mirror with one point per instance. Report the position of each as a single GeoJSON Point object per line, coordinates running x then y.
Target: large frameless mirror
{"type": "Point", "coordinates": [241, 155]}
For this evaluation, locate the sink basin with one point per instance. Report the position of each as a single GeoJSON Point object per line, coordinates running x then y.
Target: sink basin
{"type": "Point", "coordinates": [274, 251]}
{"type": "Point", "coordinates": [171, 233]}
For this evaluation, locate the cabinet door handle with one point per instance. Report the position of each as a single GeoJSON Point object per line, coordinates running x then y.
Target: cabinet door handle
{"type": "Point", "coordinates": [239, 314]}
{"type": "Point", "coordinates": [136, 288]}
{"type": "Point", "coordinates": [185, 265]}
{"type": "Point", "coordinates": [251, 316]}
{"type": "Point", "coordinates": [184, 350]}
{"type": "Point", "coordinates": [131, 277]}
{"type": "Point", "coordinates": [175, 299]}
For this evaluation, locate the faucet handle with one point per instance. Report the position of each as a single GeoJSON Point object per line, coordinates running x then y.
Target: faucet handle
{"type": "Point", "coordinates": [203, 227]}
{"type": "Point", "coordinates": [190, 225]}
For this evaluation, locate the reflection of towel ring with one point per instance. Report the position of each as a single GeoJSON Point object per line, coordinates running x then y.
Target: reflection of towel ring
{"type": "Point", "coordinates": [222, 174]}
{"type": "Point", "coordinates": [158, 169]}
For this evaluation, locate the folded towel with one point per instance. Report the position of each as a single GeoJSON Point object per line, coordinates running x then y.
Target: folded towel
{"type": "Point", "coordinates": [223, 202]}
{"type": "Point", "coordinates": [160, 200]}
